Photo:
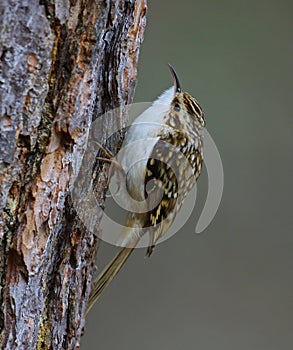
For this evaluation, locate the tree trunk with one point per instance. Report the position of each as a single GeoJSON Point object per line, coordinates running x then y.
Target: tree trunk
{"type": "Point", "coordinates": [62, 64]}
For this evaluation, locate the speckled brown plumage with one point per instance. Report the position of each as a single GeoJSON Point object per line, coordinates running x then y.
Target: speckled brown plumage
{"type": "Point", "coordinates": [180, 141]}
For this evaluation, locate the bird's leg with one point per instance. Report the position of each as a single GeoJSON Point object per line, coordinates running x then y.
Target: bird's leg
{"type": "Point", "coordinates": [114, 164]}
{"type": "Point", "coordinates": [106, 151]}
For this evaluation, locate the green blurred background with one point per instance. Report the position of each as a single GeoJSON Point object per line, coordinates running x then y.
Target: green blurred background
{"type": "Point", "coordinates": [231, 286]}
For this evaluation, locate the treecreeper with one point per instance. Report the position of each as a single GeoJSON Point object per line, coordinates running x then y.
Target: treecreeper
{"type": "Point", "coordinates": [165, 143]}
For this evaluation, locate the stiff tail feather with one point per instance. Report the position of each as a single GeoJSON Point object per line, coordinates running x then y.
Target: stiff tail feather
{"type": "Point", "coordinates": [107, 275]}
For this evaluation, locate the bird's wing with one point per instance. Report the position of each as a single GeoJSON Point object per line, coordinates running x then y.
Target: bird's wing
{"type": "Point", "coordinates": [162, 181]}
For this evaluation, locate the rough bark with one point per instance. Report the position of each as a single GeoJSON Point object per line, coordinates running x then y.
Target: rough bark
{"type": "Point", "coordinates": [63, 63]}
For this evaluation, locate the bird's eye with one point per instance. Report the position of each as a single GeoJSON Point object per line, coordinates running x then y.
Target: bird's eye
{"type": "Point", "coordinates": [176, 107]}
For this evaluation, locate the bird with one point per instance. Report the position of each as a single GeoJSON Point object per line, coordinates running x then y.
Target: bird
{"type": "Point", "coordinates": [162, 161]}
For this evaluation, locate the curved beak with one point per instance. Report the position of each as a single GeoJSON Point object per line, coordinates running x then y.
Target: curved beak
{"type": "Point", "coordinates": [177, 86]}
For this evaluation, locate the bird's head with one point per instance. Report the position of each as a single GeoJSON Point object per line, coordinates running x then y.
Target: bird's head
{"type": "Point", "coordinates": [183, 102]}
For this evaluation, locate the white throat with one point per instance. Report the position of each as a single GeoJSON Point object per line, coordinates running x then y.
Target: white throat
{"type": "Point", "coordinates": [165, 98]}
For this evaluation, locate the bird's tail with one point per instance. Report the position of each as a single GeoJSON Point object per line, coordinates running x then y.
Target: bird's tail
{"type": "Point", "coordinates": [107, 275]}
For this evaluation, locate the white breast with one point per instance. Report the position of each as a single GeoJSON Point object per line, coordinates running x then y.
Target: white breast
{"type": "Point", "coordinates": [139, 142]}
